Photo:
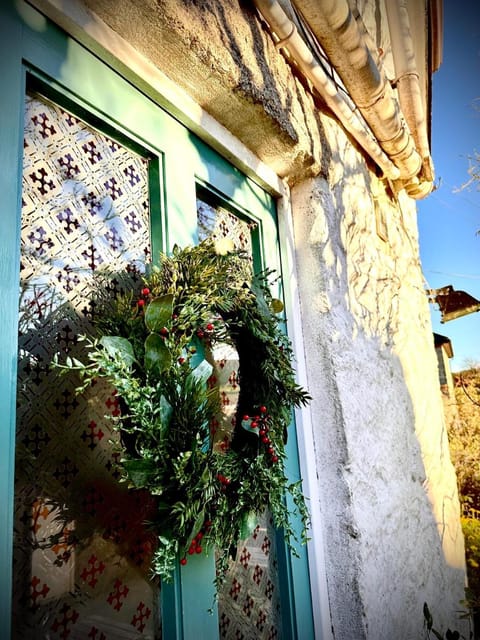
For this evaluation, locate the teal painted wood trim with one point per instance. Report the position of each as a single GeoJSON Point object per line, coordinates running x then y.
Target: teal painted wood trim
{"type": "Point", "coordinates": [171, 608]}
{"type": "Point", "coordinates": [11, 130]}
{"type": "Point", "coordinates": [297, 569]}
{"type": "Point", "coordinates": [231, 182]}
{"type": "Point", "coordinates": [158, 221]}
{"type": "Point", "coordinates": [295, 587]}
{"type": "Point", "coordinates": [189, 609]}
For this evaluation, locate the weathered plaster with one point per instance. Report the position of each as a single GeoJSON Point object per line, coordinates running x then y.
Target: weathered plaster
{"type": "Point", "coordinates": [377, 411]}
{"type": "Point", "coordinates": [219, 52]}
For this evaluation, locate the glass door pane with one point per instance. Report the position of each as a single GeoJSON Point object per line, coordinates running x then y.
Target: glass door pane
{"type": "Point", "coordinates": [81, 558]}
{"type": "Point", "coordinates": [249, 600]}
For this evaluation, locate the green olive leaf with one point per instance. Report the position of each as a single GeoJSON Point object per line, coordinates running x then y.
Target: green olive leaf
{"type": "Point", "coordinates": [118, 347]}
{"type": "Point", "coordinates": [159, 312]}
{"type": "Point", "coordinates": [199, 520]}
{"type": "Point", "coordinates": [248, 524]}
{"type": "Point", "coordinates": [157, 355]}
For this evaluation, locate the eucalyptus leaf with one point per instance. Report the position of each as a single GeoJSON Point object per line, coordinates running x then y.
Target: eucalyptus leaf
{"type": "Point", "coordinates": [198, 354]}
{"type": "Point", "coordinates": [247, 425]}
{"type": "Point", "coordinates": [140, 471]}
{"type": "Point", "coordinates": [166, 411]}
{"type": "Point", "coordinates": [157, 355]}
{"type": "Point", "coordinates": [203, 371]}
{"type": "Point", "coordinates": [159, 312]}
{"type": "Point", "coordinates": [248, 524]}
{"type": "Point", "coordinates": [116, 346]}
{"type": "Point", "coordinates": [261, 302]}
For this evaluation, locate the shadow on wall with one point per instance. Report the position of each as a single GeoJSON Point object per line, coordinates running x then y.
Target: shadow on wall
{"type": "Point", "coordinates": [390, 499]}
{"type": "Point", "coordinates": [253, 78]}
{"type": "Point", "coordinates": [283, 127]}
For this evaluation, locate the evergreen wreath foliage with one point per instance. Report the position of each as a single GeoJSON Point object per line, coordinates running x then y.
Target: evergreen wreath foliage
{"type": "Point", "coordinates": [154, 348]}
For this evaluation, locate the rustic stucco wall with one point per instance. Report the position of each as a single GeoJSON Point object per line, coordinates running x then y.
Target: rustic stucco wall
{"type": "Point", "coordinates": [219, 53]}
{"type": "Point", "coordinates": [388, 492]}
{"type": "Point", "coordinates": [381, 447]}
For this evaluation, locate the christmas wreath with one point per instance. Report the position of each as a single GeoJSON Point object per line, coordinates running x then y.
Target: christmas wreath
{"type": "Point", "coordinates": [155, 346]}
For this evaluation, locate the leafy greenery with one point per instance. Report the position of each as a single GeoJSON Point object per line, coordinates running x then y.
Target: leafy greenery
{"type": "Point", "coordinates": [464, 436]}
{"type": "Point", "coordinates": [471, 532]}
{"type": "Point", "coordinates": [154, 348]}
{"type": "Point", "coordinates": [464, 440]}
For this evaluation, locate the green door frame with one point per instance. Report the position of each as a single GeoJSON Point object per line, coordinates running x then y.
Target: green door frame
{"type": "Point", "coordinates": [30, 43]}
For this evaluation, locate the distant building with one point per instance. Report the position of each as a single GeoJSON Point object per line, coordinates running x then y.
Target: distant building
{"type": "Point", "coordinates": [444, 351]}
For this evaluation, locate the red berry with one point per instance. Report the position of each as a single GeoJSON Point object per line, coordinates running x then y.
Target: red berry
{"type": "Point", "coordinates": [198, 550]}
{"type": "Point", "coordinates": [210, 327]}
{"type": "Point", "coordinates": [183, 561]}
{"type": "Point", "coordinates": [145, 291]}
{"type": "Point", "coordinates": [263, 409]}
{"type": "Point", "coordinates": [265, 440]}
{"type": "Point", "coordinates": [181, 360]}
{"type": "Point", "coordinates": [199, 536]}
{"type": "Point", "coordinates": [141, 303]}
{"type": "Point", "coordinates": [191, 551]}
{"type": "Point", "coordinates": [246, 417]}
{"type": "Point", "coordinates": [262, 432]}
{"type": "Point", "coordinates": [274, 458]}
{"type": "Point", "coordinates": [200, 333]}
{"type": "Point", "coordinates": [271, 450]}
{"type": "Point", "coordinates": [254, 424]}
{"type": "Point", "coordinates": [164, 331]}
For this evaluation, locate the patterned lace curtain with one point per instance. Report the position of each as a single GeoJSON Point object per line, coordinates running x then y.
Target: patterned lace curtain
{"type": "Point", "coordinates": [82, 552]}
{"type": "Point", "coordinates": [249, 601]}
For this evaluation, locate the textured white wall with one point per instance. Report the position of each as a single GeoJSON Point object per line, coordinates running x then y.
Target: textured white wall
{"type": "Point", "coordinates": [389, 497]}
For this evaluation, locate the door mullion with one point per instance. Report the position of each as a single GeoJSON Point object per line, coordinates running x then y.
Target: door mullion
{"type": "Point", "coordinates": [11, 107]}
{"type": "Point", "coordinates": [189, 608]}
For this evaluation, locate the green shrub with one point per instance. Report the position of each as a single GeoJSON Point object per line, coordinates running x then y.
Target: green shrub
{"type": "Point", "coordinates": [471, 532]}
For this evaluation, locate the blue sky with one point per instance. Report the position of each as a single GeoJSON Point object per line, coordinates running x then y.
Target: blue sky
{"type": "Point", "coordinates": [448, 220]}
